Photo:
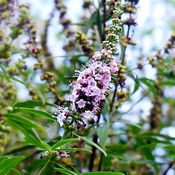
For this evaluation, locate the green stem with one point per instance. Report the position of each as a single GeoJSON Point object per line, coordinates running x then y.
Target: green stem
{"type": "Point", "coordinates": [124, 48]}
{"type": "Point", "coordinates": [4, 72]}
{"type": "Point", "coordinates": [42, 171]}
{"type": "Point", "coordinates": [95, 140]}
{"type": "Point", "coordinates": [113, 100]}
{"type": "Point", "coordinates": [122, 63]}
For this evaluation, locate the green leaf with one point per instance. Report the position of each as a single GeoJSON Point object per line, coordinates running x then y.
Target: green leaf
{"type": "Point", "coordinates": [167, 83]}
{"type": "Point", "coordinates": [137, 84]}
{"type": "Point", "coordinates": [32, 103]}
{"type": "Point", "coordinates": [64, 170]}
{"type": "Point", "coordinates": [64, 142]}
{"type": "Point", "coordinates": [24, 121]}
{"type": "Point", "coordinates": [116, 149]}
{"type": "Point", "coordinates": [102, 133]}
{"type": "Point", "coordinates": [90, 22]}
{"type": "Point", "coordinates": [44, 169]}
{"type": "Point", "coordinates": [99, 25]}
{"type": "Point", "coordinates": [14, 171]}
{"type": "Point", "coordinates": [166, 73]}
{"type": "Point", "coordinates": [135, 79]}
{"type": "Point", "coordinates": [102, 173]}
{"type": "Point", "coordinates": [7, 163]}
{"type": "Point", "coordinates": [30, 136]}
{"type": "Point", "coordinates": [74, 149]}
{"type": "Point", "coordinates": [36, 112]}
{"type": "Point", "coordinates": [135, 128]}
{"type": "Point", "coordinates": [20, 149]}
{"type": "Point", "coordinates": [91, 143]}
{"type": "Point", "coordinates": [150, 84]}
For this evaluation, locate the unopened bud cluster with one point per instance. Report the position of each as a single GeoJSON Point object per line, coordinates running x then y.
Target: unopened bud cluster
{"type": "Point", "coordinates": [171, 43]}
{"type": "Point", "coordinates": [156, 110]}
{"type": "Point", "coordinates": [85, 46]}
{"type": "Point", "coordinates": [7, 8]}
{"type": "Point", "coordinates": [64, 21]}
{"type": "Point", "coordinates": [7, 96]}
{"type": "Point", "coordinates": [114, 30]}
{"type": "Point", "coordinates": [4, 135]}
{"type": "Point", "coordinates": [121, 95]}
{"type": "Point", "coordinates": [87, 4]}
{"type": "Point", "coordinates": [51, 82]}
{"type": "Point", "coordinates": [130, 9]}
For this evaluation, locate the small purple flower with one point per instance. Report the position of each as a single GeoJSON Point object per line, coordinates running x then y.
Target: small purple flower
{"type": "Point", "coordinates": [91, 81]}
{"type": "Point", "coordinates": [81, 103]}
{"type": "Point", "coordinates": [63, 154]}
{"type": "Point", "coordinates": [97, 56]}
{"type": "Point", "coordinates": [88, 115]}
{"type": "Point", "coordinates": [62, 115]}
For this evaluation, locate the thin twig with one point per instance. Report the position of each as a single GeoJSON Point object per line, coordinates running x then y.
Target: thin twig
{"type": "Point", "coordinates": [101, 162]}
{"type": "Point", "coordinates": [44, 41]}
{"type": "Point", "coordinates": [142, 97]}
{"type": "Point", "coordinates": [113, 100]}
{"type": "Point", "coordinates": [168, 168]}
{"type": "Point", "coordinates": [104, 18]}
{"type": "Point", "coordinates": [124, 48]}
{"type": "Point", "coordinates": [95, 140]}
{"type": "Point", "coordinates": [122, 62]}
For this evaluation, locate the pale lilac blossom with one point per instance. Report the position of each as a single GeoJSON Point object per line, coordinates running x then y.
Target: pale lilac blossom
{"type": "Point", "coordinates": [63, 154]}
{"type": "Point", "coordinates": [81, 103]}
{"type": "Point", "coordinates": [88, 91]}
{"type": "Point", "coordinates": [62, 115]}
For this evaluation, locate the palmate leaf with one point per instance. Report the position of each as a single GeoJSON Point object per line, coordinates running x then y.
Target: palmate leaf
{"type": "Point", "coordinates": [7, 163]}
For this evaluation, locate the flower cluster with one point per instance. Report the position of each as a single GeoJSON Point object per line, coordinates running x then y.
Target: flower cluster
{"type": "Point", "coordinates": [89, 90]}
{"type": "Point", "coordinates": [90, 87]}
{"type": "Point", "coordinates": [59, 155]}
